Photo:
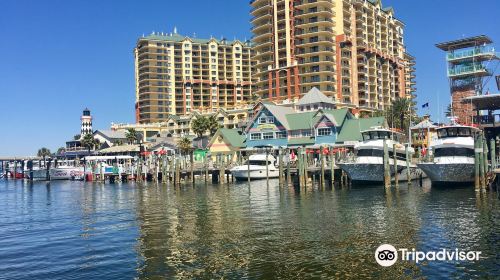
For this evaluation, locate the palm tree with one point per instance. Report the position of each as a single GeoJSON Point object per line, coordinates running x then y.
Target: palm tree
{"type": "Point", "coordinates": [184, 145]}
{"type": "Point", "coordinates": [399, 114]}
{"type": "Point", "coordinates": [212, 125]}
{"type": "Point", "coordinates": [131, 135]}
{"type": "Point", "coordinates": [89, 142]}
{"type": "Point", "coordinates": [43, 152]}
{"type": "Point", "coordinates": [199, 126]}
{"type": "Point", "coordinates": [60, 151]}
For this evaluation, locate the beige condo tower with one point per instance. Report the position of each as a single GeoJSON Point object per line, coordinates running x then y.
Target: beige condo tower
{"type": "Point", "coordinates": [176, 75]}
{"type": "Point", "coordinates": [352, 50]}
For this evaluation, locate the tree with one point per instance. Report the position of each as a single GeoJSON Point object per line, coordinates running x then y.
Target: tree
{"type": "Point", "coordinates": [184, 145]}
{"type": "Point", "coordinates": [131, 135]}
{"type": "Point", "coordinates": [60, 151]}
{"type": "Point", "coordinates": [89, 142]}
{"type": "Point", "coordinates": [43, 152]}
{"type": "Point", "coordinates": [400, 113]}
{"type": "Point", "coordinates": [77, 137]}
{"type": "Point", "coordinates": [199, 126]}
{"type": "Point", "coordinates": [212, 125]}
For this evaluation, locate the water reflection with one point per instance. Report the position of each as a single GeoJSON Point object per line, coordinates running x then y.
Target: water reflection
{"type": "Point", "coordinates": [239, 231]}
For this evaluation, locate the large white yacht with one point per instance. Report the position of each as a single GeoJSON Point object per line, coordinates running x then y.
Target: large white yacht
{"type": "Point", "coordinates": [367, 164]}
{"type": "Point", "coordinates": [453, 154]}
{"type": "Point", "coordinates": [255, 167]}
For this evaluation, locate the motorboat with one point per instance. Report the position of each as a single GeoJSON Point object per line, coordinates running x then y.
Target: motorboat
{"type": "Point", "coordinates": [256, 167]}
{"type": "Point", "coordinates": [453, 155]}
{"type": "Point", "coordinates": [366, 165]}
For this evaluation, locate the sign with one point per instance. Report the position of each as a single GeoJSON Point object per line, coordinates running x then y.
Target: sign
{"type": "Point", "coordinates": [266, 126]}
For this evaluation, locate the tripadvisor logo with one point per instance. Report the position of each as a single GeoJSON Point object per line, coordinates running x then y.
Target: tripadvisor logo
{"type": "Point", "coordinates": [387, 255]}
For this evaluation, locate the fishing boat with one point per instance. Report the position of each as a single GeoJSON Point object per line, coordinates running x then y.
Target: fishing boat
{"type": "Point", "coordinates": [256, 167]}
{"type": "Point", "coordinates": [453, 155]}
{"type": "Point", "coordinates": [366, 165]}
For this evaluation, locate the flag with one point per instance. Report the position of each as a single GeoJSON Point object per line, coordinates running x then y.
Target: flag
{"type": "Point", "coordinates": [425, 105]}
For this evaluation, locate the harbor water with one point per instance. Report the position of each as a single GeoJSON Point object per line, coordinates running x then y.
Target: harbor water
{"type": "Point", "coordinates": [77, 230]}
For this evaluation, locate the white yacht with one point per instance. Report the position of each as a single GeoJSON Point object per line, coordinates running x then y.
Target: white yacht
{"type": "Point", "coordinates": [367, 165]}
{"type": "Point", "coordinates": [257, 166]}
{"type": "Point", "coordinates": [453, 154]}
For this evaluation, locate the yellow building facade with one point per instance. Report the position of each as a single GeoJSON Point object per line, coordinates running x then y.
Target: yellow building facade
{"type": "Point", "coordinates": [176, 75]}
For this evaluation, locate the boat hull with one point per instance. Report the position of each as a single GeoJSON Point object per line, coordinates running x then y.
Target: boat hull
{"type": "Point", "coordinates": [240, 174]}
{"type": "Point", "coordinates": [448, 173]}
{"type": "Point", "coordinates": [373, 173]}
{"type": "Point", "coordinates": [66, 173]}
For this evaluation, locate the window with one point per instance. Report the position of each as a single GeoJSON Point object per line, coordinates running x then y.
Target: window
{"type": "Point", "coordinates": [306, 133]}
{"type": "Point", "coordinates": [268, 135]}
{"type": "Point", "coordinates": [281, 135]}
{"type": "Point", "coordinates": [264, 120]}
{"type": "Point", "coordinates": [324, 131]}
{"type": "Point", "coordinates": [255, 136]}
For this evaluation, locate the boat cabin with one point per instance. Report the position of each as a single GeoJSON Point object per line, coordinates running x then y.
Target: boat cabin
{"type": "Point", "coordinates": [380, 134]}
{"type": "Point", "coordinates": [456, 131]}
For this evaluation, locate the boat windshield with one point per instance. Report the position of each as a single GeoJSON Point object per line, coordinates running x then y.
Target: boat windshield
{"type": "Point", "coordinates": [375, 135]}
{"type": "Point", "coordinates": [454, 132]}
{"type": "Point", "coordinates": [258, 162]}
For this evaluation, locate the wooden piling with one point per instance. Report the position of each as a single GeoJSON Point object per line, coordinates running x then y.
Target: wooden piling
{"type": "Point", "coordinates": [477, 179]}
{"type": "Point", "coordinates": [387, 169]}
{"type": "Point", "coordinates": [288, 171]}
{"type": "Point", "coordinates": [267, 166]}
{"type": "Point", "coordinates": [322, 177]}
{"type": "Point", "coordinates": [407, 155]}
{"type": "Point", "coordinates": [280, 159]}
{"type": "Point", "coordinates": [395, 158]}
{"type": "Point", "coordinates": [191, 159]}
{"type": "Point", "coordinates": [481, 162]}
{"type": "Point", "coordinates": [493, 155]}
{"type": "Point", "coordinates": [15, 169]}
{"type": "Point", "coordinates": [485, 161]}
{"type": "Point", "coordinates": [332, 167]}
{"type": "Point", "coordinates": [300, 170]}
{"type": "Point", "coordinates": [248, 168]}
{"type": "Point", "coordinates": [222, 171]}
{"type": "Point", "coordinates": [205, 165]}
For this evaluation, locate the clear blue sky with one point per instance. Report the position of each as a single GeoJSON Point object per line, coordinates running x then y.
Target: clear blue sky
{"type": "Point", "coordinates": [58, 56]}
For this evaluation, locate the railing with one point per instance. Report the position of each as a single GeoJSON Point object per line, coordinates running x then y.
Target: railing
{"type": "Point", "coordinates": [488, 119]}
{"type": "Point", "coordinates": [473, 67]}
{"type": "Point", "coordinates": [470, 53]}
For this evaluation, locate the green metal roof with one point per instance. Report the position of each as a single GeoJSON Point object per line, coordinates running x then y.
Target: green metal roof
{"type": "Point", "coordinates": [301, 141]}
{"type": "Point", "coordinates": [351, 131]}
{"type": "Point", "coordinates": [233, 136]}
{"type": "Point", "coordinates": [306, 120]}
{"type": "Point", "coordinates": [300, 120]}
{"type": "Point", "coordinates": [179, 38]}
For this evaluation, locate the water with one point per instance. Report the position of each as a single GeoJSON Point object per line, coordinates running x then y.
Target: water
{"type": "Point", "coordinates": [76, 230]}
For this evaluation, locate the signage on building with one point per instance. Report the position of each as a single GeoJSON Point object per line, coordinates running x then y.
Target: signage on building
{"type": "Point", "coordinates": [266, 126]}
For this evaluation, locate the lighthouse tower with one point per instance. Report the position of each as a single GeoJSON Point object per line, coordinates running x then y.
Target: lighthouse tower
{"type": "Point", "coordinates": [86, 123]}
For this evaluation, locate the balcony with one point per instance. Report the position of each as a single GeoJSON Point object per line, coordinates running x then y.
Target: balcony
{"type": "Point", "coordinates": [479, 52]}
{"type": "Point", "coordinates": [474, 69]}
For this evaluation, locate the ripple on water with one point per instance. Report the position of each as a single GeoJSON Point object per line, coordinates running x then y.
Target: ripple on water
{"type": "Point", "coordinates": [73, 230]}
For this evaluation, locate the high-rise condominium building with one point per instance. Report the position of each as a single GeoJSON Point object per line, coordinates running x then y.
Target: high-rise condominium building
{"type": "Point", "coordinates": [352, 50]}
{"type": "Point", "coordinates": [176, 75]}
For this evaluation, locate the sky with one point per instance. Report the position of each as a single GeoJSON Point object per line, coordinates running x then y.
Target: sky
{"type": "Point", "coordinates": [58, 57]}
